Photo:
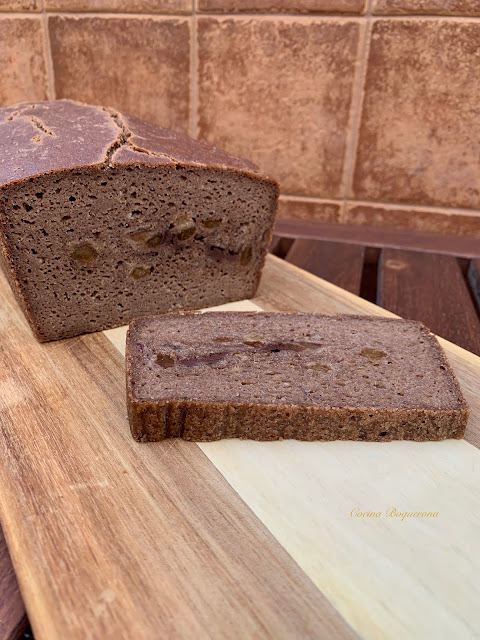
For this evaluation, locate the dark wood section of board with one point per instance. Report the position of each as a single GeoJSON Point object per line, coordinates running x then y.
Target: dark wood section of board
{"type": "Point", "coordinates": [336, 262]}
{"type": "Point", "coordinates": [429, 288]}
{"type": "Point", "coordinates": [13, 619]}
{"type": "Point", "coordinates": [461, 246]}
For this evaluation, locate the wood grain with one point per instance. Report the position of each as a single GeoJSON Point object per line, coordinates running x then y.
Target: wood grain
{"type": "Point", "coordinates": [426, 242]}
{"type": "Point", "coordinates": [13, 619]}
{"type": "Point", "coordinates": [337, 262]}
{"type": "Point", "coordinates": [112, 539]}
{"type": "Point", "coordinates": [285, 287]}
{"type": "Point", "coordinates": [394, 579]}
{"type": "Point", "coordinates": [115, 539]}
{"type": "Point", "coordinates": [429, 288]}
{"type": "Point", "coordinates": [304, 493]}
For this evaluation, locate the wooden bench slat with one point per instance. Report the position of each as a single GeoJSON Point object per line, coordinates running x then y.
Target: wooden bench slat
{"type": "Point", "coordinates": [460, 246]}
{"type": "Point", "coordinates": [474, 279]}
{"type": "Point", "coordinates": [280, 246]}
{"type": "Point", "coordinates": [336, 262]}
{"type": "Point", "coordinates": [429, 288]}
{"type": "Point", "coordinates": [13, 619]}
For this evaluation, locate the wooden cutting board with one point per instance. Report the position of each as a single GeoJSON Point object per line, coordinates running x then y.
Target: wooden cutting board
{"type": "Point", "coordinates": [113, 539]}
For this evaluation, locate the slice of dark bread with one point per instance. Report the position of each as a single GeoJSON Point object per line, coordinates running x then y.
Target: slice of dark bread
{"type": "Point", "coordinates": [269, 376]}
{"type": "Point", "coordinates": [105, 217]}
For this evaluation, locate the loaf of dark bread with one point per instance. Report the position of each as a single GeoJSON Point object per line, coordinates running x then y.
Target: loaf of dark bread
{"type": "Point", "coordinates": [104, 217]}
{"type": "Point", "coordinates": [269, 376]}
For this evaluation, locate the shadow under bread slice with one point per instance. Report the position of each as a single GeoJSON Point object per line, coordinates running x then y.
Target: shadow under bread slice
{"type": "Point", "coordinates": [268, 376]}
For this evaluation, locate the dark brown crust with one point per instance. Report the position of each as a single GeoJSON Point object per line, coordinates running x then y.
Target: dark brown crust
{"type": "Point", "coordinates": [152, 422]}
{"type": "Point", "coordinates": [39, 137]}
{"type": "Point", "coordinates": [198, 421]}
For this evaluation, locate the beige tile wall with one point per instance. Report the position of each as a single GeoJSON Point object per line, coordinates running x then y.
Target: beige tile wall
{"type": "Point", "coordinates": [366, 111]}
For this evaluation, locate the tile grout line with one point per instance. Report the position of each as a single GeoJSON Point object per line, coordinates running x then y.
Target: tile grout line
{"type": "Point", "coordinates": [378, 203]}
{"type": "Point", "coordinates": [193, 73]}
{"type": "Point", "coordinates": [427, 208]}
{"type": "Point", "coordinates": [307, 198]}
{"type": "Point", "coordinates": [93, 14]}
{"type": "Point", "coordinates": [307, 16]}
{"type": "Point", "coordinates": [356, 109]}
{"type": "Point", "coordinates": [348, 16]}
{"type": "Point", "coordinates": [48, 53]}
{"type": "Point", "coordinates": [173, 14]}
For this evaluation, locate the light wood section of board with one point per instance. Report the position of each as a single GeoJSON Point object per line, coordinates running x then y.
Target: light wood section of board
{"type": "Point", "coordinates": [233, 539]}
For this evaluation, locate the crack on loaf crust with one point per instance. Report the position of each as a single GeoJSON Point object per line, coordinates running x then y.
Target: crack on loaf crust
{"type": "Point", "coordinates": [36, 122]}
{"type": "Point", "coordinates": [124, 139]}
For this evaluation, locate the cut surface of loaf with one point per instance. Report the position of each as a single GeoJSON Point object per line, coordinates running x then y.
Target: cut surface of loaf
{"type": "Point", "coordinates": [105, 217]}
{"type": "Point", "coordinates": [268, 376]}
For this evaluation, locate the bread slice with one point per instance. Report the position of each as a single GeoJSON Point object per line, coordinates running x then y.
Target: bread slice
{"type": "Point", "coordinates": [269, 376]}
{"type": "Point", "coordinates": [105, 217]}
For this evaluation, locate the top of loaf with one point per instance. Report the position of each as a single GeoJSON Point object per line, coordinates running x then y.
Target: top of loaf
{"type": "Point", "coordinates": [40, 137]}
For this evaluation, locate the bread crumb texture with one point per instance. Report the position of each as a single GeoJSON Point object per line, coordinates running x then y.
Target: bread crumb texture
{"type": "Point", "coordinates": [277, 375]}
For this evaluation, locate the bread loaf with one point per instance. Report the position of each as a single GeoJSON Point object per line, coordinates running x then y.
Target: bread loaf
{"type": "Point", "coordinates": [104, 217]}
{"type": "Point", "coordinates": [269, 376]}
